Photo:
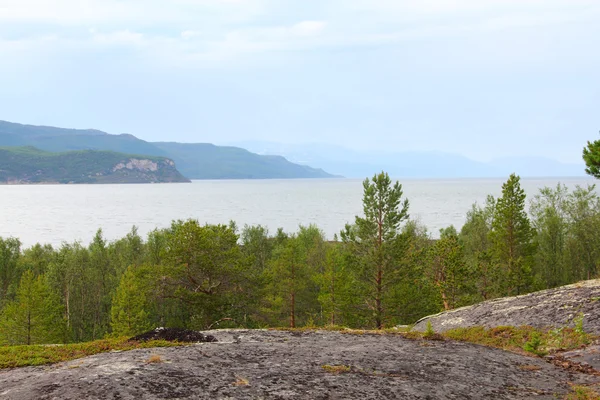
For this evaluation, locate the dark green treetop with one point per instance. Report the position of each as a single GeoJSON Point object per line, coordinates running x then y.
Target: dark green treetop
{"type": "Point", "coordinates": [591, 156]}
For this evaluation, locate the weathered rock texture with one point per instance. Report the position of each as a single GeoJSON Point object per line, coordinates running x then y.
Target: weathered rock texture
{"type": "Point", "coordinates": [174, 334]}
{"type": "Point", "coordinates": [289, 365]}
{"type": "Point", "coordinates": [549, 308]}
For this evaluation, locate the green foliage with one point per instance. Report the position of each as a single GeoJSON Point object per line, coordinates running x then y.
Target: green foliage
{"type": "Point", "coordinates": [512, 240]}
{"type": "Point", "coordinates": [591, 157]}
{"type": "Point", "coordinates": [521, 338]}
{"type": "Point", "coordinates": [30, 165]}
{"type": "Point", "coordinates": [291, 290]}
{"type": "Point", "coordinates": [429, 330]}
{"type": "Point", "coordinates": [203, 265]}
{"type": "Point", "coordinates": [10, 252]}
{"type": "Point", "coordinates": [34, 355]}
{"type": "Point", "coordinates": [387, 270]}
{"type": "Point", "coordinates": [34, 316]}
{"type": "Point", "coordinates": [377, 245]}
{"type": "Point", "coordinates": [335, 284]}
{"type": "Point", "coordinates": [550, 221]}
{"type": "Point", "coordinates": [447, 269]}
{"type": "Point", "coordinates": [475, 238]}
{"type": "Point", "coordinates": [534, 343]}
{"type": "Point", "coordinates": [129, 315]}
{"type": "Point", "coordinates": [580, 392]}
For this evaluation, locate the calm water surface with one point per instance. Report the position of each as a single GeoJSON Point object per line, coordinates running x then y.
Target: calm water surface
{"type": "Point", "coordinates": [57, 213]}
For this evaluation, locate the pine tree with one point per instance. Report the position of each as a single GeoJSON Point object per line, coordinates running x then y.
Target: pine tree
{"type": "Point", "coordinates": [34, 317]}
{"type": "Point", "coordinates": [512, 240]}
{"type": "Point", "coordinates": [591, 157]}
{"type": "Point", "coordinates": [375, 240]}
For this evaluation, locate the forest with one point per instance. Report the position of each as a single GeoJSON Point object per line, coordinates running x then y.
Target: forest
{"type": "Point", "coordinates": [384, 269]}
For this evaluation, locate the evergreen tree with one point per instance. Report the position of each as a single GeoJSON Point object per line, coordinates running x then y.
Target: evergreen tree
{"type": "Point", "coordinates": [375, 242]}
{"type": "Point", "coordinates": [512, 240]}
{"type": "Point", "coordinates": [203, 271]}
{"type": "Point", "coordinates": [591, 157]}
{"type": "Point", "coordinates": [34, 317]}
{"type": "Point", "coordinates": [129, 315]}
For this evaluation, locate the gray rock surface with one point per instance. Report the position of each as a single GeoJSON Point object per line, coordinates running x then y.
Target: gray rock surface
{"type": "Point", "coordinates": [289, 365]}
{"type": "Point", "coordinates": [549, 308]}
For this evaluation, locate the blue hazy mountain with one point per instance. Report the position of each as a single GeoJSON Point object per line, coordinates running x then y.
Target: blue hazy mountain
{"type": "Point", "coordinates": [193, 160]}
{"type": "Point", "coordinates": [411, 164]}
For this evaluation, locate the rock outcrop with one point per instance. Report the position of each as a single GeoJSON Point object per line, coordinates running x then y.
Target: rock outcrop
{"type": "Point", "coordinates": [263, 364]}
{"type": "Point", "coordinates": [553, 308]}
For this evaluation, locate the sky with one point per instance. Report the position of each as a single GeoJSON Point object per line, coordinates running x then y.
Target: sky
{"type": "Point", "coordinates": [484, 79]}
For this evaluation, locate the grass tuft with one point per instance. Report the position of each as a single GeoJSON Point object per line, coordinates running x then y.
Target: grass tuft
{"type": "Point", "coordinates": [154, 359]}
{"type": "Point", "coordinates": [582, 393]}
{"type": "Point", "coordinates": [336, 369]}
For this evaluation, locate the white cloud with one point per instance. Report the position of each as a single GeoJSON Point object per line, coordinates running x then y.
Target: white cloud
{"type": "Point", "coordinates": [226, 29]}
{"type": "Point", "coordinates": [190, 34]}
{"type": "Point", "coordinates": [142, 12]}
{"type": "Point", "coordinates": [308, 28]}
{"type": "Point", "coordinates": [125, 37]}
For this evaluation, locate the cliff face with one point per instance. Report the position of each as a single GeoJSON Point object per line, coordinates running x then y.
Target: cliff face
{"type": "Point", "coordinates": [140, 170]}
{"type": "Point", "coordinates": [28, 165]}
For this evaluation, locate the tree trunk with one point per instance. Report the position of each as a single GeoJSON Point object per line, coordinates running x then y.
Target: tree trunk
{"type": "Point", "coordinates": [378, 305]}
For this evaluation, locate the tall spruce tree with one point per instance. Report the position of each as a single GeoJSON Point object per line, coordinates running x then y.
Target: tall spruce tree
{"type": "Point", "coordinates": [374, 238]}
{"type": "Point", "coordinates": [512, 240]}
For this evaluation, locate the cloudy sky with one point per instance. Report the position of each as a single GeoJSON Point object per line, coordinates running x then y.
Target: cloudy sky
{"type": "Point", "coordinates": [484, 79]}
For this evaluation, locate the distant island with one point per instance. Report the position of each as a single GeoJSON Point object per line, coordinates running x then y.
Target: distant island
{"type": "Point", "coordinates": [193, 160]}
{"type": "Point", "coordinates": [29, 165]}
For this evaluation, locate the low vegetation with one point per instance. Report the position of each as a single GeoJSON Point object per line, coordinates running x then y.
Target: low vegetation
{"type": "Point", "coordinates": [336, 369]}
{"type": "Point", "coordinates": [582, 393]}
{"type": "Point", "coordinates": [524, 338]}
{"type": "Point", "coordinates": [22, 356]}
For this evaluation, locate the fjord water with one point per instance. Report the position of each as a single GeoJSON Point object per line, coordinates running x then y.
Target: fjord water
{"type": "Point", "coordinates": [56, 213]}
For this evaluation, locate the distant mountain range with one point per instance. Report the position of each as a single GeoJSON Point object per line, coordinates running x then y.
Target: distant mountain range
{"type": "Point", "coordinates": [195, 161]}
{"type": "Point", "coordinates": [360, 164]}
{"type": "Point", "coordinates": [20, 165]}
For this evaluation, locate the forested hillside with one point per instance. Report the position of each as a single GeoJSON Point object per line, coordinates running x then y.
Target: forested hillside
{"type": "Point", "coordinates": [30, 165]}
{"type": "Point", "coordinates": [194, 160]}
{"type": "Point", "coordinates": [384, 270]}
